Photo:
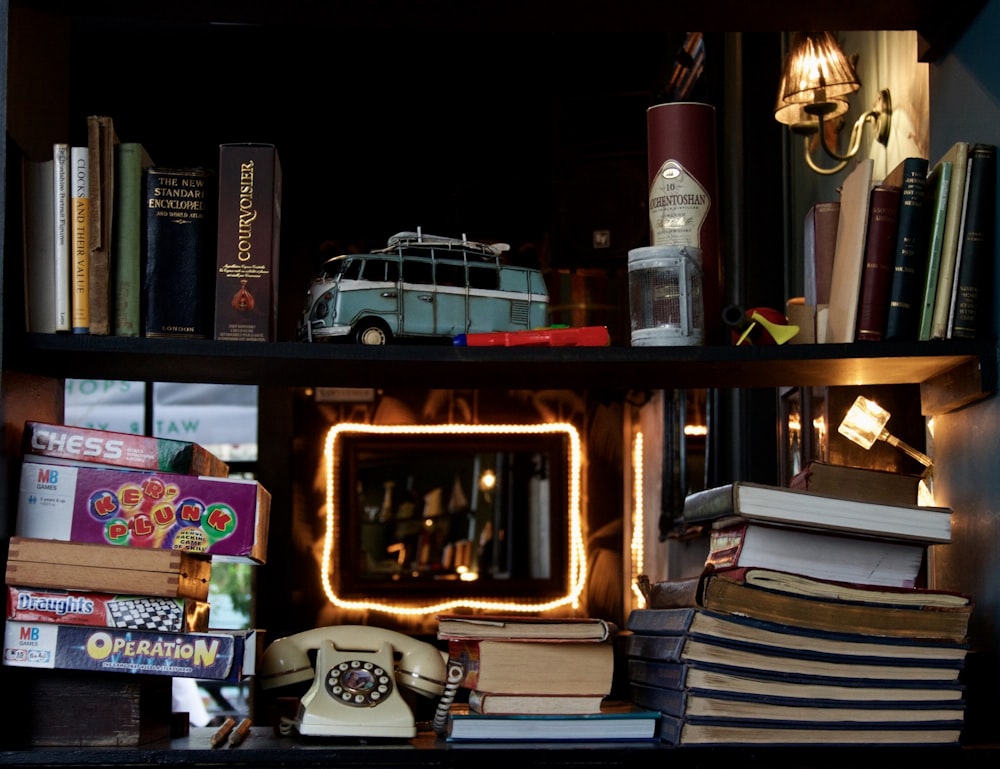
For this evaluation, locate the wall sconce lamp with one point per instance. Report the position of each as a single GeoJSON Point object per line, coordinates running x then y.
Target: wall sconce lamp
{"type": "Point", "coordinates": [816, 80]}
{"type": "Point", "coordinates": [865, 423]}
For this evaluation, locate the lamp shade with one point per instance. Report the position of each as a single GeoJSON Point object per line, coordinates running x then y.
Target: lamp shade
{"type": "Point", "coordinates": [794, 114]}
{"type": "Point", "coordinates": [816, 70]}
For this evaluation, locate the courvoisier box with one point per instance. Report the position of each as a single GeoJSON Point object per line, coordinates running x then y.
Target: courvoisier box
{"type": "Point", "coordinates": [225, 517]}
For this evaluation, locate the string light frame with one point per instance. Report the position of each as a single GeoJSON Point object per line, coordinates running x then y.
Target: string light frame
{"type": "Point", "coordinates": [577, 569]}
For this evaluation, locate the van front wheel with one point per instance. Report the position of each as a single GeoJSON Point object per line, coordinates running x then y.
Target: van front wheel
{"type": "Point", "coordinates": [372, 331]}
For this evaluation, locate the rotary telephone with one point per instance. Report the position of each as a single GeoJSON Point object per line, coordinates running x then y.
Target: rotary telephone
{"type": "Point", "coordinates": [355, 684]}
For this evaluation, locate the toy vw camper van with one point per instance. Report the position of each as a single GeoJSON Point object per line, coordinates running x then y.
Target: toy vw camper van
{"type": "Point", "coordinates": [422, 286]}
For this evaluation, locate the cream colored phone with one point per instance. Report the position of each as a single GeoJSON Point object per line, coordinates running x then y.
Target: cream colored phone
{"type": "Point", "coordinates": [355, 685]}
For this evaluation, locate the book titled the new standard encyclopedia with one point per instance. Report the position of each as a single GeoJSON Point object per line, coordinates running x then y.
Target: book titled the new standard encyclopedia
{"type": "Point", "coordinates": [616, 721]}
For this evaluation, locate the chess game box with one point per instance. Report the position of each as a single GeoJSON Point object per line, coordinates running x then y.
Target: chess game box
{"type": "Point", "coordinates": [224, 517]}
{"type": "Point", "coordinates": [62, 444]}
{"type": "Point", "coordinates": [229, 655]}
{"type": "Point", "coordinates": [84, 607]}
{"type": "Point", "coordinates": [44, 563]}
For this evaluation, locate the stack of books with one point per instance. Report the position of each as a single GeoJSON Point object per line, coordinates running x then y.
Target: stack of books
{"type": "Point", "coordinates": [108, 575]}
{"type": "Point", "coordinates": [531, 678]}
{"type": "Point", "coordinates": [806, 627]}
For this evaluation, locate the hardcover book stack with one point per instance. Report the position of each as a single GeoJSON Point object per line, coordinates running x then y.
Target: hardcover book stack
{"type": "Point", "coordinates": [532, 678]}
{"type": "Point", "coordinates": [108, 574]}
{"type": "Point", "coordinates": [806, 627]}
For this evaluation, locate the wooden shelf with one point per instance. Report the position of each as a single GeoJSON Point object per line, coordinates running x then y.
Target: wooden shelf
{"type": "Point", "coordinates": [951, 373]}
{"type": "Point", "coordinates": [263, 749]}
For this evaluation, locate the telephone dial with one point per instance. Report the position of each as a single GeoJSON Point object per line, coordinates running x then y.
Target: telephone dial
{"type": "Point", "coordinates": [355, 684]}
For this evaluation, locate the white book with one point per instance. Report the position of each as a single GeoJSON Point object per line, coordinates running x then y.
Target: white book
{"type": "Point", "coordinates": [61, 235]}
{"type": "Point", "coordinates": [792, 507]}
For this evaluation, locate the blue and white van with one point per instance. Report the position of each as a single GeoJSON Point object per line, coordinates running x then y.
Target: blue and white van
{"type": "Point", "coordinates": [422, 286]}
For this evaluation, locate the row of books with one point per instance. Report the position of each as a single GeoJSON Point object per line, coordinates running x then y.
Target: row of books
{"type": "Point", "coordinates": [108, 574]}
{"type": "Point", "coordinates": [794, 638]}
{"type": "Point", "coordinates": [903, 258]}
{"type": "Point", "coordinates": [116, 244]}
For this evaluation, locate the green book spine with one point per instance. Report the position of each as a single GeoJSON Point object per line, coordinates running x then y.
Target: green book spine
{"type": "Point", "coordinates": [938, 183]}
{"type": "Point", "coordinates": [905, 291]}
{"type": "Point", "coordinates": [132, 160]}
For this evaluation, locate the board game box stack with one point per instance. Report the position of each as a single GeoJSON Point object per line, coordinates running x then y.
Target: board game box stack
{"type": "Point", "coordinates": [107, 580]}
{"type": "Point", "coordinates": [757, 650]}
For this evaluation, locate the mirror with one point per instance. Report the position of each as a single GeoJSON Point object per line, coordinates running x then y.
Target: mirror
{"type": "Point", "coordinates": [441, 516]}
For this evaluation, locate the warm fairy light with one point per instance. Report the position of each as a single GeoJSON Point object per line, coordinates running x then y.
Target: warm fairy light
{"type": "Point", "coordinates": [637, 519]}
{"type": "Point", "coordinates": [696, 431]}
{"type": "Point", "coordinates": [577, 549]}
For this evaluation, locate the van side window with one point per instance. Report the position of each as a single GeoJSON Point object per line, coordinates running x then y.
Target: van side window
{"type": "Point", "coordinates": [380, 270]}
{"type": "Point", "coordinates": [352, 270]}
{"type": "Point", "coordinates": [486, 277]}
{"type": "Point", "coordinates": [418, 271]}
{"type": "Point", "coordinates": [450, 274]}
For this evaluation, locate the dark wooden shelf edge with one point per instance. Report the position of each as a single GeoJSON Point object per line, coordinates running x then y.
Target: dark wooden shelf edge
{"type": "Point", "coordinates": [263, 749]}
{"type": "Point", "coordinates": [953, 372]}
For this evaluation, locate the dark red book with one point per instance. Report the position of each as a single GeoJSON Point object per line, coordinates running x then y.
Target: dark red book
{"type": "Point", "coordinates": [879, 264]}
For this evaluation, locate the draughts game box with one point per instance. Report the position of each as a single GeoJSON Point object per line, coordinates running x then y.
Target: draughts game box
{"type": "Point", "coordinates": [131, 612]}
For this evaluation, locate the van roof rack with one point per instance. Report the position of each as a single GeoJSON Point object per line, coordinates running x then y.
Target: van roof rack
{"type": "Point", "coordinates": [408, 238]}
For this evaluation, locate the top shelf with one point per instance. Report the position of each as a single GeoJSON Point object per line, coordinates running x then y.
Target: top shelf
{"type": "Point", "coordinates": [951, 373]}
{"type": "Point", "coordinates": [938, 24]}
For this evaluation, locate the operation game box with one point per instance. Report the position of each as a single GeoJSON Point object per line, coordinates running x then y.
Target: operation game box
{"type": "Point", "coordinates": [226, 517]}
{"type": "Point", "coordinates": [220, 655]}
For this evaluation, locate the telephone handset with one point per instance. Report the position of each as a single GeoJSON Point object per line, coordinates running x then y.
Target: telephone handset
{"type": "Point", "coordinates": [354, 691]}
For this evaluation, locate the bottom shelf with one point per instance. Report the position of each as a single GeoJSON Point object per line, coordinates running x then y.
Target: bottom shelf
{"type": "Point", "coordinates": [262, 748]}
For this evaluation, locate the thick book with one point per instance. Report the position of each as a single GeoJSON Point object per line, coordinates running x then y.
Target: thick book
{"type": "Point", "coordinates": [515, 628]}
{"type": "Point", "coordinates": [958, 156]}
{"type": "Point", "coordinates": [47, 441]}
{"type": "Point", "coordinates": [820, 241]}
{"type": "Point", "coordinates": [906, 289]}
{"type": "Point", "coordinates": [527, 667]}
{"type": "Point", "coordinates": [745, 631]}
{"type": "Point", "coordinates": [47, 563]}
{"type": "Point", "coordinates": [493, 703]}
{"type": "Point", "coordinates": [615, 722]}
{"type": "Point", "coordinates": [766, 707]}
{"type": "Point", "coordinates": [248, 243]}
{"type": "Point", "coordinates": [180, 237]}
{"type": "Point", "coordinates": [39, 266]}
{"type": "Point", "coordinates": [938, 187]}
{"type": "Point", "coordinates": [862, 483]}
{"type": "Point", "coordinates": [101, 141]}
{"type": "Point", "coordinates": [817, 553]}
{"type": "Point", "coordinates": [131, 162]}
{"type": "Point", "coordinates": [61, 235]}
{"type": "Point", "coordinates": [79, 211]}
{"type": "Point", "coordinates": [715, 731]}
{"type": "Point", "coordinates": [806, 688]}
{"type": "Point", "coordinates": [848, 260]}
{"type": "Point", "coordinates": [972, 306]}
{"type": "Point", "coordinates": [793, 507]}
{"type": "Point", "coordinates": [879, 261]}
{"type": "Point", "coordinates": [223, 655]}
{"type": "Point", "coordinates": [120, 610]}
{"type": "Point", "coordinates": [867, 613]}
